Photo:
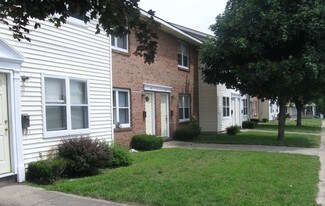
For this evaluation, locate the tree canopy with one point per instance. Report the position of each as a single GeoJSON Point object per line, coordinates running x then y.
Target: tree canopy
{"type": "Point", "coordinates": [270, 49]}
{"type": "Point", "coordinates": [115, 17]}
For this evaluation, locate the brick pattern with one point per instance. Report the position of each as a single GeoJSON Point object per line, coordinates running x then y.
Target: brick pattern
{"type": "Point", "coordinates": [130, 72]}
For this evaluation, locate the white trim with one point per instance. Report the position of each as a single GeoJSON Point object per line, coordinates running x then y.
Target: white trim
{"type": "Point", "coordinates": [69, 131]}
{"type": "Point", "coordinates": [77, 22]}
{"type": "Point", "coordinates": [171, 27]}
{"type": "Point", "coordinates": [111, 87]}
{"type": "Point", "coordinates": [157, 88]}
{"type": "Point", "coordinates": [226, 106]}
{"type": "Point", "coordinates": [183, 44]}
{"type": "Point", "coordinates": [117, 90]}
{"type": "Point", "coordinates": [167, 110]}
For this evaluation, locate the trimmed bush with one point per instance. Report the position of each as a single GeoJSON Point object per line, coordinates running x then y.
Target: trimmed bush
{"type": "Point", "coordinates": [233, 130]}
{"type": "Point", "coordinates": [144, 142]}
{"type": "Point", "coordinates": [121, 157]}
{"type": "Point", "coordinates": [255, 120]}
{"type": "Point", "coordinates": [194, 126]}
{"type": "Point", "coordinates": [249, 124]}
{"type": "Point", "coordinates": [185, 134]}
{"type": "Point", "coordinates": [264, 120]}
{"type": "Point", "coordinates": [84, 156]}
{"type": "Point", "coordinates": [45, 171]}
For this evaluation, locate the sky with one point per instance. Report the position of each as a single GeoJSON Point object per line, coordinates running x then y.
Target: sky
{"type": "Point", "coordinates": [195, 14]}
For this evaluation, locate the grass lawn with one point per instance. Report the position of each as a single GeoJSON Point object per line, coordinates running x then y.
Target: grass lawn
{"type": "Point", "coordinates": [205, 177]}
{"type": "Point", "coordinates": [308, 126]}
{"type": "Point", "coordinates": [262, 138]}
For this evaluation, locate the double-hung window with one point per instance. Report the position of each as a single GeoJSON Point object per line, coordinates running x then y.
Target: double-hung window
{"type": "Point", "coordinates": [184, 108]}
{"type": "Point", "coordinates": [66, 106]}
{"type": "Point", "coordinates": [245, 106]}
{"type": "Point", "coordinates": [120, 43]}
{"type": "Point", "coordinates": [225, 107]}
{"type": "Point", "coordinates": [183, 54]}
{"type": "Point", "coordinates": [121, 108]}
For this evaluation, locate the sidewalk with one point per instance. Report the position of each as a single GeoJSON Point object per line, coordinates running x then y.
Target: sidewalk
{"type": "Point", "coordinates": [23, 195]}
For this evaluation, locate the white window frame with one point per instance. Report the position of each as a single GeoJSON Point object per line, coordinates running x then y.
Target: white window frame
{"type": "Point", "coordinates": [227, 107]}
{"type": "Point", "coordinates": [69, 131]}
{"type": "Point", "coordinates": [183, 44]}
{"type": "Point", "coordinates": [245, 107]}
{"type": "Point", "coordinates": [182, 96]}
{"type": "Point", "coordinates": [117, 90]}
{"type": "Point", "coordinates": [114, 38]}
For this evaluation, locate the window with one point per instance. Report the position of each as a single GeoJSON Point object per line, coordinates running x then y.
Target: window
{"type": "Point", "coordinates": [121, 108]}
{"type": "Point", "coordinates": [225, 107]}
{"type": "Point", "coordinates": [182, 54]}
{"type": "Point", "coordinates": [66, 106]}
{"type": "Point", "coordinates": [245, 106]}
{"type": "Point", "coordinates": [120, 43]}
{"type": "Point", "coordinates": [184, 108]}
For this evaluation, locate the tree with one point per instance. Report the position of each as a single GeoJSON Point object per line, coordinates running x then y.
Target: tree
{"type": "Point", "coordinates": [115, 17]}
{"type": "Point", "coordinates": [267, 49]}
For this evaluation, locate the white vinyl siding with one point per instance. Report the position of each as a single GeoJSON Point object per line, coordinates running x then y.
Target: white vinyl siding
{"type": "Point", "coordinates": [120, 43]}
{"type": "Point", "coordinates": [184, 108]}
{"type": "Point", "coordinates": [121, 108]}
{"type": "Point", "coordinates": [183, 59]}
{"type": "Point", "coordinates": [69, 51]}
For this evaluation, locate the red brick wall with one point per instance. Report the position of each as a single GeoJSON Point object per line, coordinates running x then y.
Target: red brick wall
{"type": "Point", "coordinates": [130, 72]}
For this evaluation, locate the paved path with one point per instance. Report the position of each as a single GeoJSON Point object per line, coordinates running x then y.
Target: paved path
{"type": "Point", "coordinates": [23, 195]}
{"type": "Point", "coordinates": [293, 150]}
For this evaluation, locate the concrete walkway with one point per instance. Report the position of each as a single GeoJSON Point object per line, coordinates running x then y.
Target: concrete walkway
{"type": "Point", "coordinates": [293, 150]}
{"type": "Point", "coordinates": [22, 195]}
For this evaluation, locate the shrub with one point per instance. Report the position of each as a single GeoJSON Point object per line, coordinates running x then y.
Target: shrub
{"type": "Point", "coordinates": [144, 142]}
{"type": "Point", "coordinates": [249, 124]}
{"type": "Point", "coordinates": [184, 134]}
{"type": "Point", "coordinates": [264, 120]}
{"type": "Point", "coordinates": [255, 120]}
{"type": "Point", "coordinates": [45, 171]}
{"type": "Point", "coordinates": [84, 156]}
{"type": "Point", "coordinates": [121, 157]}
{"type": "Point", "coordinates": [233, 130]}
{"type": "Point", "coordinates": [188, 133]}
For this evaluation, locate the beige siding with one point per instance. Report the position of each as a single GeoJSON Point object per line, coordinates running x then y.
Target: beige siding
{"type": "Point", "coordinates": [207, 107]}
{"type": "Point", "coordinates": [70, 51]}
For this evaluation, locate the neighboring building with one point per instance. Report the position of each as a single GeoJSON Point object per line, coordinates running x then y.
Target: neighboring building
{"type": "Point", "coordinates": [219, 107]}
{"type": "Point", "coordinates": [268, 110]}
{"type": "Point", "coordinates": [254, 108]}
{"type": "Point", "coordinates": [157, 98]}
{"type": "Point", "coordinates": [309, 111]}
{"type": "Point", "coordinates": [56, 86]}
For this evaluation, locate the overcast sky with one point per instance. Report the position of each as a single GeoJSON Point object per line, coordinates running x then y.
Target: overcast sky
{"type": "Point", "coordinates": [195, 14]}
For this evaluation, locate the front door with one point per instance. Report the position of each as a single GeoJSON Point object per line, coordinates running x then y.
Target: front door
{"type": "Point", "coordinates": [150, 113]}
{"type": "Point", "coordinates": [5, 166]}
{"type": "Point", "coordinates": [164, 115]}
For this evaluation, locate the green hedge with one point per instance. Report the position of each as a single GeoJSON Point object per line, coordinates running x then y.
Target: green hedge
{"type": "Point", "coordinates": [121, 157]}
{"type": "Point", "coordinates": [249, 124]}
{"type": "Point", "coordinates": [144, 142]}
{"type": "Point", "coordinates": [45, 171]}
{"type": "Point", "coordinates": [233, 130]}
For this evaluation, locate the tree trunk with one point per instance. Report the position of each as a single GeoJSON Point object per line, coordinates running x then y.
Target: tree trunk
{"type": "Point", "coordinates": [299, 107]}
{"type": "Point", "coordinates": [281, 119]}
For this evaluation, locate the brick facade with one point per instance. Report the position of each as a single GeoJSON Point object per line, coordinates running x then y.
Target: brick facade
{"type": "Point", "coordinates": [130, 72]}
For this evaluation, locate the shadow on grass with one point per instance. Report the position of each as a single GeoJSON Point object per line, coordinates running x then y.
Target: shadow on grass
{"type": "Point", "coordinates": [259, 138]}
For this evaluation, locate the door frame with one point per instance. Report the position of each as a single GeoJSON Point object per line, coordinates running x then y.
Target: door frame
{"type": "Point", "coordinates": [153, 106]}
{"type": "Point", "coordinates": [167, 112]}
{"type": "Point", "coordinates": [10, 63]}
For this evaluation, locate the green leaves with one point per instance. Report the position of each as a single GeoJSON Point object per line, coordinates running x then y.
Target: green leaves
{"type": "Point", "coordinates": [115, 17]}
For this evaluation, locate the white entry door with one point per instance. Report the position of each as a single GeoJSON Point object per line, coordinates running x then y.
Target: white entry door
{"type": "Point", "coordinates": [5, 165]}
{"type": "Point", "coordinates": [150, 113]}
{"type": "Point", "coordinates": [164, 115]}
{"type": "Point", "coordinates": [235, 114]}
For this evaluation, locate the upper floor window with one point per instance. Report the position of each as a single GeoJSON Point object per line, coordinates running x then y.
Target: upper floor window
{"type": "Point", "coordinates": [183, 54]}
{"type": "Point", "coordinates": [184, 107]}
{"type": "Point", "coordinates": [225, 107]}
{"type": "Point", "coordinates": [245, 106]}
{"type": "Point", "coordinates": [120, 43]}
{"type": "Point", "coordinates": [121, 108]}
{"type": "Point", "coordinates": [66, 106]}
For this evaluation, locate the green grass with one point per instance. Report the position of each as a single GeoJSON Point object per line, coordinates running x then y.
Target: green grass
{"type": "Point", "coordinates": [262, 138]}
{"type": "Point", "coordinates": [308, 126]}
{"type": "Point", "coordinates": [205, 177]}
